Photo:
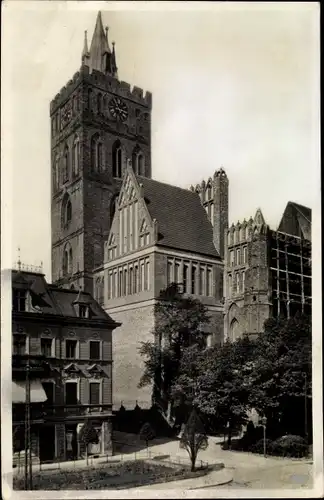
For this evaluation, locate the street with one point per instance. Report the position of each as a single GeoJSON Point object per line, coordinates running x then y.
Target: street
{"type": "Point", "coordinates": [242, 470]}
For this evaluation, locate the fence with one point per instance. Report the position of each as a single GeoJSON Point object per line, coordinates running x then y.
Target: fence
{"type": "Point", "coordinates": [93, 460]}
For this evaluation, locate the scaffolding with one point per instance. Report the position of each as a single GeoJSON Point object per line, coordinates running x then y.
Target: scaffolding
{"type": "Point", "coordinates": [290, 268]}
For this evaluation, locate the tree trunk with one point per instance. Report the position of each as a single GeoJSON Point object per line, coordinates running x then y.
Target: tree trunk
{"type": "Point", "coordinates": [229, 437]}
{"type": "Point", "coordinates": [193, 462]}
{"type": "Point", "coordinates": [86, 450]}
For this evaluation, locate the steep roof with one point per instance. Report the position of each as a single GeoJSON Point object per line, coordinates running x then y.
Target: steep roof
{"type": "Point", "coordinates": [53, 300]}
{"type": "Point", "coordinates": [296, 220]}
{"type": "Point", "coordinates": [182, 221]}
{"type": "Point", "coordinates": [305, 211]}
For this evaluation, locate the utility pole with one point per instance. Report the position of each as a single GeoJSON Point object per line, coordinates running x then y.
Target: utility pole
{"type": "Point", "coordinates": [27, 430]}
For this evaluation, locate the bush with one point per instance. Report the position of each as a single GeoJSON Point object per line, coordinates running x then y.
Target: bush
{"type": "Point", "coordinates": [290, 446]}
{"type": "Point", "coordinates": [259, 447]}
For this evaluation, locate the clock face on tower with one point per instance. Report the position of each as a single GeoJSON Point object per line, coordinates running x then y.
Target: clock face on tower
{"type": "Point", "coordinates": [118, 109]}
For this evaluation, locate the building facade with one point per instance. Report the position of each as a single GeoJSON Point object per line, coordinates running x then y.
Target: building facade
{"type": "Point", "coordinates": [72, 336]}
{"type": "Point", "coordinates": [267, 272]}
{"type": "Point", "coordinates": [152, 243]}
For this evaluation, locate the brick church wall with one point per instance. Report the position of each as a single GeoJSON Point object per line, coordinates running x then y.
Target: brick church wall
{"type": "Point", "coordinates": [137, 324]}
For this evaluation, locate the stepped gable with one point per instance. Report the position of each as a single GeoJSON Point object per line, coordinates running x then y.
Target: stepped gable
{"type": "Point", "coordinates": [181, 219]}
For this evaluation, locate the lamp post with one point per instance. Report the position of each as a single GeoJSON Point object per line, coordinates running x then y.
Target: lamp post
{"type": "Point", "coordinates": [264, 423]}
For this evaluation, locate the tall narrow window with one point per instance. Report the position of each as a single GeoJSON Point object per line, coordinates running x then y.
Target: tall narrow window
{"type": "Point", "coordinates": [97, 161]}
{"type": "Point", "coordinates": [136, 280]}
{"type": "Point", "coordinates": [185, 277]}
{"type": "Point", "coordinates": [237, 282]}
{"type": "Point", "coordinates": [46, 347]}
{"type": "Point", "coordinates": [177, 272]}
{"type": "Point", "coordinates": [193, 279]}
{"type": "Point", "coordinates": [117, 158]}
{"type": "Point", "coordinates": [238, 257]}
{"type": "Point", "coordinates": [94, 393]}
{"type": "Point", "coordinates": [115, 290]}
{"type": "Point", "coordinates": [245, 255]}
{"type": "Point", "coordinates": [65, 165]}
{"type": "Point", "coordinates": [138, 161]}
{"type": "Point", "coordinates": [110, 285]}
{"type": "Point", "coordinates": [76, 156]}
{"type": "Point", "coordinates": [231, 257]}
{"type": "Point", "coordinates": [56, 172]}
{"type": "Point", "coordinates": [120, 283]}
{"type": "Point", "coordinates": [70, 263]}
{"type": "Point", "coordinates": [130, 283]}
{"type": "Point", "coordinates": [142, 274]}
{"type": "Point", "coordinates": [125, 282]}
{"type": "Point", "coordinates": [70, 348]}
{"type": "Point", "coordinates": [19, 298]}
{"type": "Point", "coordinates": [169, 272]}
{"type": "Point", "coordinates": [243, 281]}
{"type": "Point", "coordinates": [147, 274]}
{"type": "Point", "coordinates": [71, 397]}
{"type": "Point", "coordinates": [202, 280]}
{"type": "Point", "coordinates": [209, 283]}
{"type": "Point", "coordinates": [230, 285]}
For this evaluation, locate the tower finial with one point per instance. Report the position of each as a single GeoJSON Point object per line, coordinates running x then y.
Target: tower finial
{"type": "Point", "coordinates": [85, 52]}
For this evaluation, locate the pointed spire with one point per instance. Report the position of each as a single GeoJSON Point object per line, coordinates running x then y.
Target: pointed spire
{"type": "Point", "coordinates": [85, 52]}
{"type": "Point", "coordinates": [100, 52]}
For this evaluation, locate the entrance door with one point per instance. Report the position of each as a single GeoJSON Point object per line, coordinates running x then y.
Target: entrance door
{"type": "Point", "coordinates": [71, 443]}
{"type": "Point", "coordinates": [46, 443]}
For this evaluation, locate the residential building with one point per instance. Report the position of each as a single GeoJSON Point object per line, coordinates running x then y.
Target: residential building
{"type": "Point", "coordinates": [63, 338]}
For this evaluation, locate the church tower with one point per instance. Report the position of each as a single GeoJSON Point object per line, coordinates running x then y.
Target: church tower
{"type": "Point", "coordinates": [97, 123]}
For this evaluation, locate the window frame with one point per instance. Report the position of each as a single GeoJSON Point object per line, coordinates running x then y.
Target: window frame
{"type": "Point", "coordinates": [99, 343]}
{"type": "Point", "coordinates": [76, 348]}
{"type": "Point", "coordinates": [77, 385]}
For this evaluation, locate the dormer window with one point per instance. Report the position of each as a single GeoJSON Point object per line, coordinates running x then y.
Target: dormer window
{"type": "Point", "coordinates": [19, 300]}
{"type": "Point", "coordinates": [83, 311]}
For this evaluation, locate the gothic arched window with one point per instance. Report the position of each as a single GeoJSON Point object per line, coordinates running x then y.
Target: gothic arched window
{"type": "Point", "coordinates": [76, 156]}
{"type": "Point", "coordinates": [67, 260]}
{"type": "Point", "coordinates": [117, 157]}
{"type": "Point", "coordinates": [138, 162]}
{"type": "Point", "coordinates": [66, 211]}
{"type": "Point", "coordinates": [65, 176]}
{"type": "Point", "coordinates": [56, 173]}
{"type": "Point", "coordinates": [96, 154]}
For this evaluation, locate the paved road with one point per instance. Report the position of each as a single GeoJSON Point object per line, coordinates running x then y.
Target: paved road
{"type": "Point", "coordinates": [247, 470]}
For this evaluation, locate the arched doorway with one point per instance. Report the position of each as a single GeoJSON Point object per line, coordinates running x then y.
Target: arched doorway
{"type": "Point", "coordinates": [234, 330]}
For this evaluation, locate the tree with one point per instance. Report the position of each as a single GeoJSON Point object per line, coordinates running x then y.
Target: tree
{"type": "Point", "coordinates": [194, 437]}
{"type": "Point", "coordinates": [88, 434]}
{"type": "Point", "coordinates": [147, 433]}
{"type": "Point", "coordinates": [281, 372]}
{"type": "Point", "coordinates": [178, 325]}
{"type": "Point", "coordinates": [222, 388]}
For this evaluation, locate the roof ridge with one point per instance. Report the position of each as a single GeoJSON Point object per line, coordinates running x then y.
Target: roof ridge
{"type": "Point", "coordinates": [297, 206]}
{"type": "Point", "coordinates": [166, 184]}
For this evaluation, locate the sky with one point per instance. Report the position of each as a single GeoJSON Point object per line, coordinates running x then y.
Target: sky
{"type": "Point", "coordinates": [235, 85]}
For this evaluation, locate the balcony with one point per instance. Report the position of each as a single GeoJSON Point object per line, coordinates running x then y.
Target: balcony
{"type": "Point", "coordinates": [40, 412]}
